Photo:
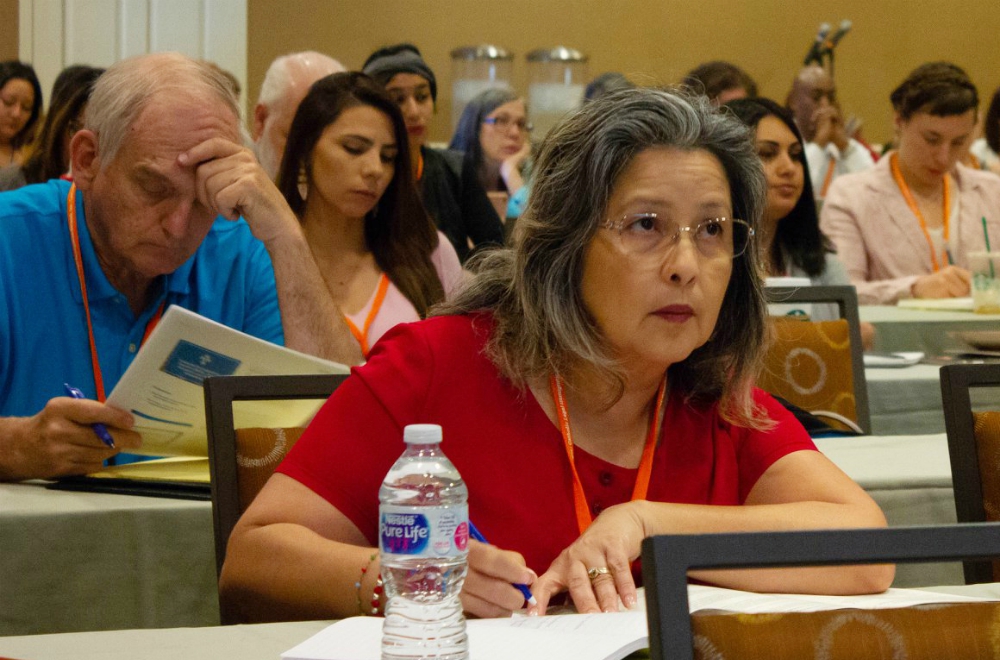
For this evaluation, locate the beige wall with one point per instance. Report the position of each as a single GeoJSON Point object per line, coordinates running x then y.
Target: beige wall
{"type": "Point", "coordinates": [649, 40]}
{"type": "Point", "coordinates": [8, 29]}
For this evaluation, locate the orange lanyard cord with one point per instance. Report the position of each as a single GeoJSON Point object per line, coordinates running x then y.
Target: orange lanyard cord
{"type": "Point", "coordinates": [74, 235]}
{"type": "Point", "coordinates": [831, 166]}
{"type": "Point", "coordinates": [912, 203]}
{"type": "Point", "coordinates": [641, 488]}
{"type": "Point", "coordinates": [420, 167]}
{"type": "Point", "coordinates": [361, 335]}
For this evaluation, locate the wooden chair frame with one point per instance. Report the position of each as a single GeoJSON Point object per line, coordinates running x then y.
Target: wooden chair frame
{"type": "Point", "coordinates": [220, 393]}
{"type": "Point", "coordinates": [956, 380]}
{"type": "Point", "coordinates": [666, 561]}
{"type": "Point", "coordinates": [846, 299]}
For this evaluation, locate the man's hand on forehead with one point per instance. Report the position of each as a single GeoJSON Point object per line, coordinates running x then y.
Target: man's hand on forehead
{"type": "Point", "coordinates": [230, 181]}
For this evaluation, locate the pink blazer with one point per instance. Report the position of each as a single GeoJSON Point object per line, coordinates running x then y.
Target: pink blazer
{"type": "Point", "coordinates": [880, 241]}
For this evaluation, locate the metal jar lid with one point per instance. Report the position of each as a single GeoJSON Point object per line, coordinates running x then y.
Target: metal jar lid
{"type": "Point", "coordinates": [557, 54]}
{"type": "Point", "coordinates": [481, 52]}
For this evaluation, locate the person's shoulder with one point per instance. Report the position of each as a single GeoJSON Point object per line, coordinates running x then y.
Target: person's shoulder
{"type": "Point", "coordinates": [41, 199]}
{"type": "Point", "coordinates": [449, 160]}
{"type": "Point", "coordinates": [970, 178]}
{"type": "Point", "coordinates": [12, 178]}
{"type": "Point", "coordinates": [441, 332]}
{"type": "Point", "coordinates": [858, 187]}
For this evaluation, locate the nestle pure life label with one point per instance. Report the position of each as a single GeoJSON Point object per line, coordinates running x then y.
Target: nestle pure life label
{"type": "Point", "coordinates": [424, 532]}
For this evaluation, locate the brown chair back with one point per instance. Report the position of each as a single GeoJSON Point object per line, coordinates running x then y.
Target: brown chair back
{"type": "Point", "coordinates": [667, 560]}
{"type": "Point", "coordinates": [974, 449]}
{"type": "Point", "coordinates": [818, 365]}
{"type": "Point", "coordinates": [809, 364]}
{"type": "Point", "coordinates": [258, 453]}
{"type": "Point", "coordinates": [241, 461]}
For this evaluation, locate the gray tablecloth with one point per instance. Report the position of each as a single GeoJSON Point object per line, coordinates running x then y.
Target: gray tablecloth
{"type": "Point", "coordinates": [905, 400]}
{"type": "Point", "coordinates": [903, 329]}
{"type": "Point", "coordinates": [87, 561]}
{"type": "Point", "coordinates": [910, 478]}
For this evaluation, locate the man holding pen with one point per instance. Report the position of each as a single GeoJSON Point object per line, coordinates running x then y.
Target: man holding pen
{"type": "Point", "coordinates": [161, 180]}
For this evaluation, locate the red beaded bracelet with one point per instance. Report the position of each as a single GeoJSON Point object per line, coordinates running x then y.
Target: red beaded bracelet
{"type": "Point", "coordinates": [376, 590]}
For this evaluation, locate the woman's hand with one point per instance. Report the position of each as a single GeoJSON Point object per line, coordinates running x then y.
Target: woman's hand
{"type": "Point", "coordinates": [613, 542]}
{"type": "Point", "coordinates": [510, 168]}
{"type": "Point", "coordinates": [488, 590]}
{"type": "Point", "coordinates": [949, 282]}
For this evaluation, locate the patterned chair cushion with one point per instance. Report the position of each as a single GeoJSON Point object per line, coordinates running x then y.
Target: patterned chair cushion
{"type": "Point", "coordinates": [258, 452]}
{"type": "Point", "coordinates": [809, 364]}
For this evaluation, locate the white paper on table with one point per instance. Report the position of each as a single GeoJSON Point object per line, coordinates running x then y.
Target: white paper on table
{"type": "Point", "coordinates": [595, 636]}
{"type": "Point", "coordinates": [578, 636]}
{"type": "Point", "coordinates": [938, 304]}
{"type": "Point", "coordinates": [162, 387]}
{"type": "Point", "coordinates": [702, 597]}
{"type": "Point", "coordinates": [890, 360]}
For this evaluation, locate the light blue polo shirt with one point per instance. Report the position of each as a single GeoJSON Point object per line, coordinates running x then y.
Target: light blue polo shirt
{"type": "Point", "coordinates": [43, 328]}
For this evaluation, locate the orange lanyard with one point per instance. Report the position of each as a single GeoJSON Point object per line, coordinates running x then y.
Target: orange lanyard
{"type": "Point", "coordinates": [583, 516]}
{"type": "Point", "coordinates": [912, 203]}
{"type": "Point", "coordinates": [74, 236]}
{"type": "Point", "coordinates": [829, 176]}
{"type": "Point", "coordinates": [362, 334]}
{"type": "Point", "coordinates": [420, 167]}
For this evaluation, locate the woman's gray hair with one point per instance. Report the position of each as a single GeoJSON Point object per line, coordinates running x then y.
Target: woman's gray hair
{"type": "Point", "coordinates": [532, 289]}
{"type": "Point", "coordinates": [127, 87]}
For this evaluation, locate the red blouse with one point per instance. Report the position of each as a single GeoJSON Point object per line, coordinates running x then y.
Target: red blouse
{"type": "Point", "coordinates": [509, 453]}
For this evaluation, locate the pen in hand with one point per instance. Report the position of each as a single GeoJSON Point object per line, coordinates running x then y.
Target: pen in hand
{"type": "Point", "coordinates": [523, 588]}
{"type": "Point", "coordinates": [100, 430]}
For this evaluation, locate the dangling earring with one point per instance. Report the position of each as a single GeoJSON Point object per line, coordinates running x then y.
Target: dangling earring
{"type": "Point", "coordinates": [303, 183]}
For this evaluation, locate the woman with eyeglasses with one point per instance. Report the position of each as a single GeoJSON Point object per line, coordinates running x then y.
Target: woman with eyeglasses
{"type": "Point", "coordinates": [449, 188]}
{"type": "Point", "coordinates": [595, 387]}
{"type": "Point", "coordinates": [493, 132]}
{"type": "Point", "coordinates": [20, 107]}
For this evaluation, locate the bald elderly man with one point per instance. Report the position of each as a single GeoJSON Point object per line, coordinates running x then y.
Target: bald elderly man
{"type": "Point", "coordinates": [167, 208]}
{"type": "Point", "coordinates": [285, 85]}
{"type": "Point", "coordinates": [830, 151]}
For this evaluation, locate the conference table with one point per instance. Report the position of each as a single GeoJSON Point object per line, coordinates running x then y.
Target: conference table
{"type": "Point", "coordinates": [247, 642]}
{"type": "Point", "coordinates": [929, 331]}
{"type": "Point", "coordinates": [75, 561]}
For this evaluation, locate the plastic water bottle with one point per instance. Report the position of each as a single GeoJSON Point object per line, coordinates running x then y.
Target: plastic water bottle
{"type": "Point", "coordinates": [424, 541]}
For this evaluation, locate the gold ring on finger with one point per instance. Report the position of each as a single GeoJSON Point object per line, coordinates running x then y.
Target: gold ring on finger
{"type": "Point", "coordinates": [597, 571]}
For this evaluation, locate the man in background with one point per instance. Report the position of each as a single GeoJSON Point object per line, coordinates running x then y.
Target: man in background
{"type": "Point", "coordinates": [830, 151]}
{"type": "Point", "coordinates": [285, 85]}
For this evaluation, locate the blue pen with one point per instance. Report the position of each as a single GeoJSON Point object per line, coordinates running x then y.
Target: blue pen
{"type": "Point", "coordinates": [523, 588]}
{"type": "Point", "coordinates": [100, 430]}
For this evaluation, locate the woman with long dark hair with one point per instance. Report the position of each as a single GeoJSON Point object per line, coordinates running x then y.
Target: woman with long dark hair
{"type": "Point", "coordinates": [791, 241]}
{"type": "Point", "coordinates": [346, 175]}
{"type": "Point", "coordinates": [20, 107]}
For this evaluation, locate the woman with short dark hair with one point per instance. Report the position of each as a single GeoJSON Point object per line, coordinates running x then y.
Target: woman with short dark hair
{"type": "Point", "coordinates": [594, 385]}
{"type": "Point", "coordinates": [905, 228]}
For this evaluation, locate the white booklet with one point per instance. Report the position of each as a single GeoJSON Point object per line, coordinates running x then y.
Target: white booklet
{"type": "Point", "coordinates": [162, 387]}
{"type": "Point", "coordinates": [594, 636]}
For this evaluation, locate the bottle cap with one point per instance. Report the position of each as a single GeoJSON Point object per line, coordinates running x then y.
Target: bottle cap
{"type": "Point", "coordinates": [422, 434]}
